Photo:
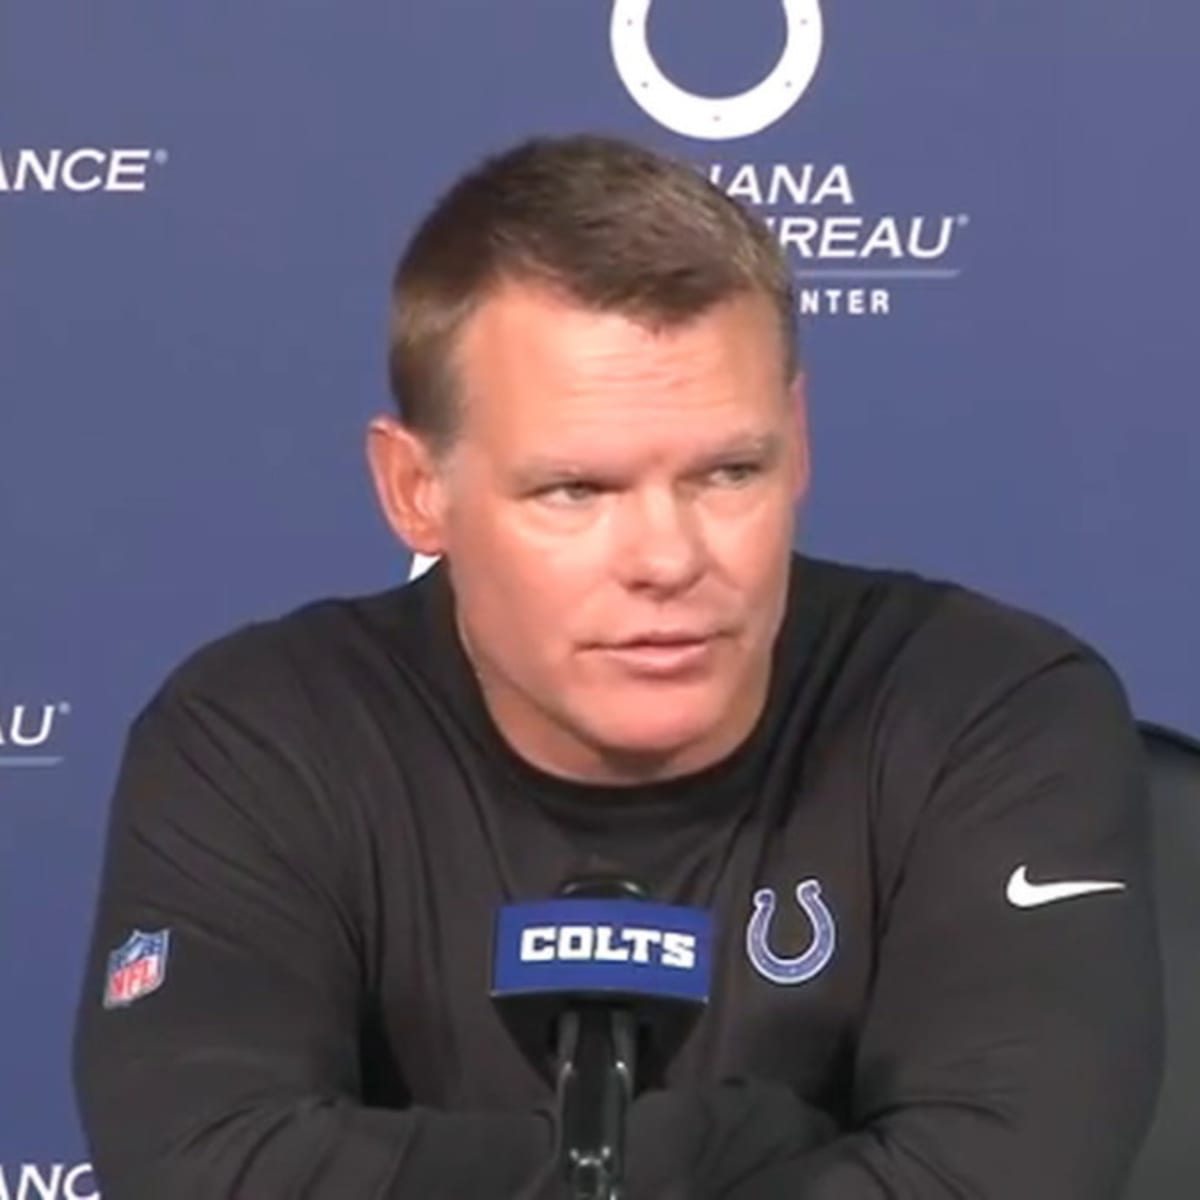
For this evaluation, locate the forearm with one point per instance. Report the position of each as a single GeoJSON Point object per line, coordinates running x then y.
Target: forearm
{"type": "Point", "coordinates": [1049, 1100]}
{"type": "Point", "coordinates": [892, 1162]}
{"type": "Point", "coordinates": [315, 1149]}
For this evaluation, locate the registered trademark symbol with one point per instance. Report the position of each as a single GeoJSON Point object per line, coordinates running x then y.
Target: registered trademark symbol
{"type": "Point", "coordinates": [963, 219]}
{"type": "Point", "coordinates": [64, 707]}
{"type": "Point", "coordinates": [160, 157]}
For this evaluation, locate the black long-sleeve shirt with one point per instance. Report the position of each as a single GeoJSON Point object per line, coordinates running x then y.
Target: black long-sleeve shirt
{"type": "Point", "coordinates": [320, 814]}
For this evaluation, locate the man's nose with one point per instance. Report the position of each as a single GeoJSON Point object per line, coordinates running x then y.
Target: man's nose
{"type": "Point", "coordinates": [661, 540]}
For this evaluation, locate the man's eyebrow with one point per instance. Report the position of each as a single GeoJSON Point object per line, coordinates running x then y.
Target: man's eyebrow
{"type": "Point", "coordinates": [539, 468]}
{"type": "Point", "coordinates": [758, 445]}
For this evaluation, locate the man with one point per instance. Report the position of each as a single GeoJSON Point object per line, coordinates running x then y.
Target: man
{"type": "Point", "coordinates": [916, 814]}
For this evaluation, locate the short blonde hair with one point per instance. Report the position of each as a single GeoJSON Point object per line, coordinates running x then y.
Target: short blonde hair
{"type": "Point", "coordinates": [609, 224]}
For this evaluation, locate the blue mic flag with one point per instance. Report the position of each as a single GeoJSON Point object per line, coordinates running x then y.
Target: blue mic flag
{"type": "Point", "coordinates": [603, 948]}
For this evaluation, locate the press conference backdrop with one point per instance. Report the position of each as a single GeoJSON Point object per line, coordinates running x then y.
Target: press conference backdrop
{"type": "Point", "coordinates": [989, 206]}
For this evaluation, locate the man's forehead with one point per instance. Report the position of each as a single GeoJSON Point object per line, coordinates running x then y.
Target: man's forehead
{"type": "Point", "coordinates": [538, 393]}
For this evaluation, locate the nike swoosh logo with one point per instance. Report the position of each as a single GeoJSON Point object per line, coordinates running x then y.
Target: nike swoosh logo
{"type": "Point", "coordinates": [1023, 894]}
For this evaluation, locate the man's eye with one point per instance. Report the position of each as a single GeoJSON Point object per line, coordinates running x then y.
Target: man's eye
{"type": "Point", "coordinates": [734, 474]}
{"type": "Point", "coordinates": [571, 491]}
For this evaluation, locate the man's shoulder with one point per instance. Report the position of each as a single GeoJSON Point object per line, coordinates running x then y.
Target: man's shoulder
{"type": "Point", "coordinates": [959, 672]}
{"type": "Point", "coordinates": [977, 634]}
{"type": "Point", "coordinates": [321, 645]}
{"type": "Point", "coordinates": [954, 637]}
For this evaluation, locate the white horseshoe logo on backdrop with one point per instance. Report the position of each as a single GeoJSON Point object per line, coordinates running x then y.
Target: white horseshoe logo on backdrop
{"type": "Point", "coordinates": [724, 117]}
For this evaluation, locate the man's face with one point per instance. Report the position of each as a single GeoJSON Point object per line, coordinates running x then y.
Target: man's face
{"type": "Point", "coordinates": [618, 519]}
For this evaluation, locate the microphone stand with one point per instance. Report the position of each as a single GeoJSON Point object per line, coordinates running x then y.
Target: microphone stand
{"type": "Point", "coordinates": [597, 1047]}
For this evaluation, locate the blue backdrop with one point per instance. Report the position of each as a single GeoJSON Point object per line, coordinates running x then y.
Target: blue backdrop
{"type": "Point", "coordinates": [990, 205]}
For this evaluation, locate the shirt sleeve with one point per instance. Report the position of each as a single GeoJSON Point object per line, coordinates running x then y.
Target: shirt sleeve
{"type": "Point", "coordinates": [225, 1063]}
{"type": "Point", "coordinates": [1014, 1039]}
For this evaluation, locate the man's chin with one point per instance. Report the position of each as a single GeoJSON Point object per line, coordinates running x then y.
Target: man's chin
{"type": "Point", "coordinates": [657, 747]}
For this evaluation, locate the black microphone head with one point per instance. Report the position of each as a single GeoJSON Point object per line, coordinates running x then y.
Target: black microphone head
{"type": "Point", "coordinates": [603, 886]}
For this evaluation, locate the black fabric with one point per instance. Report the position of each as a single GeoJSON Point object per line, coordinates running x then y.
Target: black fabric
{"type": "Point", "coordinates": [322, 813]}
{"type": "Point", "coordinates": [1169, 1163]}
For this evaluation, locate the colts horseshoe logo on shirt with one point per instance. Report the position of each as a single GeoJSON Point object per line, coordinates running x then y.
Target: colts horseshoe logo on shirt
{"type": "Point", "coordinates": [805, 966]}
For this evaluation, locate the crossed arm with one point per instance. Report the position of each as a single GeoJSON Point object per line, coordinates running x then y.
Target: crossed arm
{"type": "Point", "coordinates": [1006, 1052]}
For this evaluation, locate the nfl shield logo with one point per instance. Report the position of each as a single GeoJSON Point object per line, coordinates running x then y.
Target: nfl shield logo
{"type": "Point", "coordinates": [137, 968]}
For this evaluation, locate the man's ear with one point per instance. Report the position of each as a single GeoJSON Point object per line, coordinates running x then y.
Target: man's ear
{"type": "Point", "coordinates": [408, 484]}
{"type": "Point", "coordinates": [798, 406]}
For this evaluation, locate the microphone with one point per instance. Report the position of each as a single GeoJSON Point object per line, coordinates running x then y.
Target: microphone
{"type": "Point", "coordinates": [599, 988]}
